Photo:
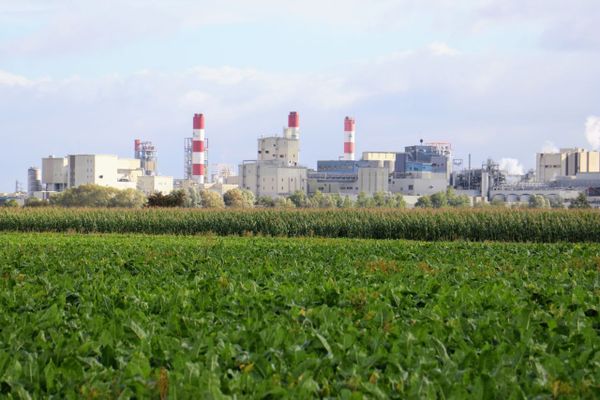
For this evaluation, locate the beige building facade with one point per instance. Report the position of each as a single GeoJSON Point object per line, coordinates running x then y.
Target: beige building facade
{"type": "Point", "coordinates": [567, 162]}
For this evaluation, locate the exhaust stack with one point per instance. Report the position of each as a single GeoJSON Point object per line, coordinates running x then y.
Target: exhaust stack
{"type": "Point", "coordinates": [349, 135]}
{"type": "Point", "coordinates": [198, 160]}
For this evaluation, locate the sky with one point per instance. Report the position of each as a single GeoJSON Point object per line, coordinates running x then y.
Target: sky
{"type": "Point", "coordinates": [500, 79]}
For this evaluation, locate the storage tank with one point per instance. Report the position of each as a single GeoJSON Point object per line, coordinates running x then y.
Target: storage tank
{"type": "Point", "coordinates": [34, 180]}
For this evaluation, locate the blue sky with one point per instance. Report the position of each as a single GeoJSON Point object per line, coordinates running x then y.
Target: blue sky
{"type": "Point", "coordinates": [501, 79]}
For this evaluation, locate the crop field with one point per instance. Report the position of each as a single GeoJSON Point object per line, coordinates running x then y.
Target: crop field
{"type": "Point", "coordinates": [446, 224]}
{"type": "Point", "coordinates": [120, 316]}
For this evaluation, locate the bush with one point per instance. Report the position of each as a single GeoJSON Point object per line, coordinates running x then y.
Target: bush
{"type": "Point", "coordinates": [176, 198]}
{"type": "Point", "coordinates": [35, 202]}
{"type": "Point", "coordinates": [238, 198]}
{"type": "Point", "coordinates": [580, 202]}
{"type": "Point", "coordinates": [98, 196]}
{"type": "Point", "coordinates": [211, 199]}
{"type": "Point", "coordinates": [538, 201]}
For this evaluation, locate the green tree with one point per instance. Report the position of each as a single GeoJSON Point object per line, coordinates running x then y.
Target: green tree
{"type": "Point", "coordinates": [192, 197]}
{"type": "Point", "coordinates": [337, 200]}
{"type": "Point", "coordinates": [439, 200]}
{"type": "Point", "coordinates": [236, 198]}
{"type": "Point", "coordinates": [537, 201]}
{"type": "Point", "coordinates": [12, 203]}
{"type": "Point", "coordinates": [266, 201]}
{"type": "Point", "coordinates": [580, 202]}
{"type": "Point", "coordinates": [362, 200]}
{"type": "Point", "coordinates": [282, 202]}
{"type": "Point", "coordinates": [456, 200]}
{"type": "Point", "coordinates": [35, 202]}
{"type": "Point", "coordinates": [299, 199]}
{"type": "Point", "coordinates": [128, 198]}
{"type": "Point", "coordinates": [211, 199]}
{"type": "Point", "coordinates": [380, 199]}
{"type": "Point", "coordinates": [98, 196]}
{"type": "Point", "coordinates": [424, 202]}
{"type": "Point", "coordinates": [176, 198]}
{"type": "Point", "coordinates": [556, 202]}
{"type": "Point", "coordinates": [347, 203]}
{"type": "Point", "coordinates": [249, 199]}
{"type": "Point", "coordinates": [397, 201]}
{"type": "Point", "coordinates": [84, 196]}
{"type": "Point", "coordinates": [316, 199]}
{"type": "Point", "coordinates": [327, 202]}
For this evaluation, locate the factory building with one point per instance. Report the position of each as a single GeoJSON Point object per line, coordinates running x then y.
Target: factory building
{"type": "Point", "coordinates": [567, 162]}
{"type": "Point", "coordinates": [349, 177]}
{"type": "Point", "coordinates": [419, 170]}
{"type": "Point", "coordinates": [60, 173]}
{"type": "Point", "coordinates": [419, 183]}
{"type": "Point", "coordinates": [276, 171]}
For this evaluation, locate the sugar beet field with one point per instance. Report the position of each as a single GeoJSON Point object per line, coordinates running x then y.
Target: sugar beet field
{"type": "Point", "coordinates": [138, 315]}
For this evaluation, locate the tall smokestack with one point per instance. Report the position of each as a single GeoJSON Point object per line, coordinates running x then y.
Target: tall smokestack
{"type": "Point", "coordinates": [294, 125]}
{"type": "Point", "coordinates": [137, 145]}
{"type": "Point", "coordinates": [349, 134]}
{"type": "Point", "coordinates": [198, 160]}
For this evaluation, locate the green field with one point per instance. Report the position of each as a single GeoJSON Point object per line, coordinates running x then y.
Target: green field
{"type": "Point", "coordinates": [108, 316]}
{"type": "Point", "coordinates": [518, 225]}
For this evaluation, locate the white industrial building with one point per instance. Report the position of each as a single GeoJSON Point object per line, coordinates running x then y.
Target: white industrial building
{"type": "Point", "coordinates": [60, 173]}
{"type": "Point", "coordinates": [566, 162]}
{"type": "Point", "coordinates": [276, 171]}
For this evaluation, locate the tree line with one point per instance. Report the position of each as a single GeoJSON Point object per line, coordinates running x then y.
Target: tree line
{"type": "Point", "coordinates": [192, 197]}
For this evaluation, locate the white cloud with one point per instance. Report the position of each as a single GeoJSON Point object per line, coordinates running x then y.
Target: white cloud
{"type": "Point", "coordinates": [592, 131]}
{"type": "Point", "coordinates": [549, 147]}
{"type": "Point", "coordinates": [484, 105]}
{"type": "Point", "coordinates": [8, 79]}
{"type": "Point", "coordinates": [442, 49]}
{"type": "Point", "coordinates": [512, 166]}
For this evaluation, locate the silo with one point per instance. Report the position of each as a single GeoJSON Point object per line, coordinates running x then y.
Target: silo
{"type": "Point", "coordinates": [34, 180]}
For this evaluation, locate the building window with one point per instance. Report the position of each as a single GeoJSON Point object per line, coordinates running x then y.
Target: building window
{"type": "Point", "coordinates": [411, 187]}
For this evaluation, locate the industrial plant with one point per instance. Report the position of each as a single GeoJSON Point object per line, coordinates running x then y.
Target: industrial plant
{"type": "Point", "coordinates": [275, 170]}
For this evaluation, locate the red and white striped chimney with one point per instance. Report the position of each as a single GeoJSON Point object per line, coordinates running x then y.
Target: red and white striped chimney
{"type": "Point", "coordinates": [198, 149]}
{"type": "Point", "coordinates": [349, 134]}
{"type": "Point", "coordinates": [294, 125]}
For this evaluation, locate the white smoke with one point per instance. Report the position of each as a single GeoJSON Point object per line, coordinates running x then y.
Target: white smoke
{"type": "Point", "coordinates": [592, 131]}
{"type": "Point", "coordinates": [549, 147]}
{"type": "Point", "coordinates": [512, 166]}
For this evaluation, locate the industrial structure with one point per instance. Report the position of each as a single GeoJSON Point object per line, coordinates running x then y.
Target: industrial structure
{"type": "Point", "coordinates": [276, 171]}
{"type": "Point", "coordinates": [61, 173]}
{"type": "Point", "coordinates": [349, 138]}
{"type": "Point", "coordinates": [566, 162]}
{"type": "Point", "coordinates": [417, 170]}
{"type": "Point", "coordinates": [34, 181]}
{"type": "Point", "coordinates": [195, 151]}
{"type": "Point", "coordinates": [146, 153]}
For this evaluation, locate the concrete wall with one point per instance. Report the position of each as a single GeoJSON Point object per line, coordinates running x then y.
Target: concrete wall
{"type": "Point", "coordinates": [279, 149]}
{"type": "Point", "coordinates": [266, 179]}
{"type": "Point", "coordinates": [419, 184]}
{"type": "Point", "coordinates": [373, 180]}
{"type": "Point", "coordinates": [54, 172]}
{"type": "Point", "coordinates": [154, 184]}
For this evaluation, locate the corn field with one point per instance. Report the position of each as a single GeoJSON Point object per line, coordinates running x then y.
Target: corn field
{"type": "Point", "coordinates": [428, 225]}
